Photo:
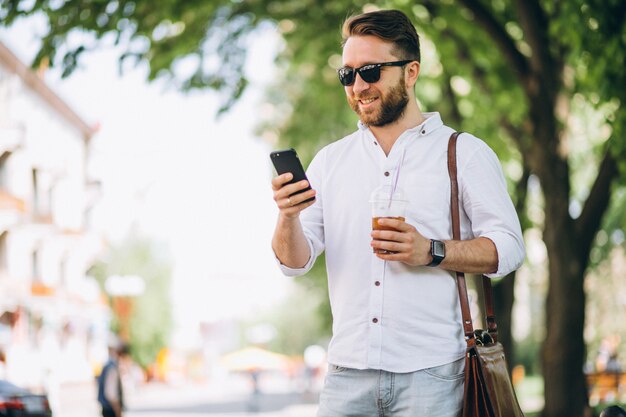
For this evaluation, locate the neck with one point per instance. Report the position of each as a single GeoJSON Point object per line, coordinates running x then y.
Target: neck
{"type": "Point", "coordinates": [388, 134]}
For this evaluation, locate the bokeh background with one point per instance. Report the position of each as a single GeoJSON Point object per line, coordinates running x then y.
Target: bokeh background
{"type": "Point", "coordinates": [135, 201]}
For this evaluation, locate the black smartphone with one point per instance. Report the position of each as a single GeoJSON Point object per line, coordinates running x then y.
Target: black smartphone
{"type": "Point", "coordinates": [287, 160]}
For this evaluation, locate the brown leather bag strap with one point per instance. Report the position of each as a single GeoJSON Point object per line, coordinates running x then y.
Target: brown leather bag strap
{"type": "Point", "coordinates": [490, 315]}
{"type": "Point", "coordinates": [468, 328]}
{"type": "Point", "coordinates": [490, 319]}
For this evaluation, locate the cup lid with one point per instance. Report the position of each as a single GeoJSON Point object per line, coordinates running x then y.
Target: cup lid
{"type": "Point", "coordinates": [385, 192]}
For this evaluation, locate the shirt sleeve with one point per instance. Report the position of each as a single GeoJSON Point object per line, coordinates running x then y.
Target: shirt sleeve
{"type": "Point", "coordinates": [312, 219]}
{"type": "Point", "coordinates": [489, 207]}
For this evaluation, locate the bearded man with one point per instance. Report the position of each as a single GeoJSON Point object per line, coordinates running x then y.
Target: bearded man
{"type": "Point", "coordinates": [397, 347]}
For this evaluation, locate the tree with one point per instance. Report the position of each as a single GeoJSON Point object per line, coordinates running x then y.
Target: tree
{"type": "Point", "coordinates": [510, 71]}
{"type": "Point", "coordinates": [150, 317]}
{"type": "Point", "coordinates": [528, 63]}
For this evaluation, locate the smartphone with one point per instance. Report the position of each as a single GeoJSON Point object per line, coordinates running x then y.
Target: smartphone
{"type": "Point", "coordinates": [287, 160]}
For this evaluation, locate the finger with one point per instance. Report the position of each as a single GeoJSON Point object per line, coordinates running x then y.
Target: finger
{"type": "Point", "coordinates": [299, 198]}
{"type": "Point", "coordinates": [399, 225]}
{"type": "Point", "coordinates": [386, 245]}
{"type": "Point", "coordinates": [391, 236]}
{"type": "Point", "coordinates": [399, 256]}
{"type": "Point", "coordinates": [279, 181]}
{"type": "Point", "coordinates": [292, 200]}
{"type": "Point", "coordinates": [289, 189]}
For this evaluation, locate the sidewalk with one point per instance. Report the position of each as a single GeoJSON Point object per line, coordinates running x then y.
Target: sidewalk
{"type": "Point", "coordinates": [229, 397]}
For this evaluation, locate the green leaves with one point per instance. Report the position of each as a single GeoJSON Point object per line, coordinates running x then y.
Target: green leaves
{"type": "Point", "coordinates": [151, 318]}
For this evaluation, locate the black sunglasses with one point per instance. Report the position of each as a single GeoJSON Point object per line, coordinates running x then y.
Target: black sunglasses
{"type": "Point", "coordinates": [370, 73]}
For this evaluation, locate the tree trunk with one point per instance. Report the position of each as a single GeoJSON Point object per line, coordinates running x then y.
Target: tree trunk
{"type": "Point", "coordinates": [564, 348]}
{"type": "Point", "coordinates": [503, 298]}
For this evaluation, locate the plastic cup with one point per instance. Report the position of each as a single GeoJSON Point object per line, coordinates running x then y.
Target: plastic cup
{"type": "Point", "coordinates": [387, 205]}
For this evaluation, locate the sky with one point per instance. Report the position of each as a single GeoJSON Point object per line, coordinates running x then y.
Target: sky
{"type": "Point", "coordinates": [197, 184]}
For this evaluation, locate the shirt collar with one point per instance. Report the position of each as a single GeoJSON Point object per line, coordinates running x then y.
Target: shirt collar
{"type": "Point", "coordinates": [433, 122]}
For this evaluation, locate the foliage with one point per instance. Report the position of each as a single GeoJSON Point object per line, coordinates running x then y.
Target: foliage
{"type": "Point", "coordinates": [606, 289]}
{"type": "Point", "coordinates": [518, 74]}
{"type": "Point", "coordinates": [297, 321]}
{"type": "Point", "coordinates": [168, 36]}
{"type": "Point", "coordinates": [150, 321]}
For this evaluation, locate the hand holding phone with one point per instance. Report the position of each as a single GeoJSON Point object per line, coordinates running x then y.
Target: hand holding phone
{"type": "Point", "coordinates": [287, 160]}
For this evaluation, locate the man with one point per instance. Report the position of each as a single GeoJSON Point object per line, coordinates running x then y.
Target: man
{"type": "Point", "coordinates": [110, 390]}
{"type": "Point", "coordinates": [397, 346]}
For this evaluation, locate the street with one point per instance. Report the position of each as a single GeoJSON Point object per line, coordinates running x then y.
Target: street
{"type": "Point", "coordinates": [231, 396]}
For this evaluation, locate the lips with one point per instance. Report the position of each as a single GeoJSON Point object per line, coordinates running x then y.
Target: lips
{"type": "Point", "coordinates": [367, 101]}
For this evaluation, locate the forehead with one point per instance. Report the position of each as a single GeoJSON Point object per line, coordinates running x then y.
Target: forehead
{"type": "Point", "coordinates": [362, 50]}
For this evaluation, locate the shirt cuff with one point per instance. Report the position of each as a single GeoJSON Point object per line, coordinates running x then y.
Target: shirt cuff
{"type": "Point", "coordinates": [510, 253]}
{"type": "Point", "coordinates": [296, 272]}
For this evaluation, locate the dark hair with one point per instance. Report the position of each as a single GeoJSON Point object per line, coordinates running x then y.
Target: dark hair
{"type": "Point", "coordinates": [389, 25]}
{"type": "Point", "coordinates": [123, 349]}
{"type": "Point", "coordinates": [613, 411]}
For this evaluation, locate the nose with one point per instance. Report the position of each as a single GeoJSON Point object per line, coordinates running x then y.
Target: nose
{"type": "Point", "coordinates": [359, 85]}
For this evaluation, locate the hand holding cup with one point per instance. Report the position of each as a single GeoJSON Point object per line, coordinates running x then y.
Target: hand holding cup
{"type": "Point", "coordinates": [387, 204]}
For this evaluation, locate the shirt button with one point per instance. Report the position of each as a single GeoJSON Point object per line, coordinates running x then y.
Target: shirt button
{"type": "Point", "coordinates": [375, 320]}
{"type": "Point", "coordinates": [423, 132]}
{"type": "Point", "coordinates": [386, 173]}
{"type": "Point", "coordinates": [377, 283]}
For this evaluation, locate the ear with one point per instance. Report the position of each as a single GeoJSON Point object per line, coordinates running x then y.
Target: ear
{"type": "Point", "coordinates": [412, 72]}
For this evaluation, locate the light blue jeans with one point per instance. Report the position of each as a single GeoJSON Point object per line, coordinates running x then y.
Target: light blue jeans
{"type": "Point", "coordinates": [432, 392]}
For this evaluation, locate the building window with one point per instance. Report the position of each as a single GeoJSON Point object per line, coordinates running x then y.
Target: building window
{"type": "Point", "coordinates": [35, 191]}
{"type": "Point", "coordinates": [36, 269]}
{"type": "Point", "coordinates": [3, 252]}
{"type": "Point", "coordinates": [3, 170]}
{"type": "Point", "coordinates": [63, 272]}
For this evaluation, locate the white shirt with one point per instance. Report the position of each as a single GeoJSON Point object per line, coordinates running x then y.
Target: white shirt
{"type": "Point", "coordinates": [389, 315]}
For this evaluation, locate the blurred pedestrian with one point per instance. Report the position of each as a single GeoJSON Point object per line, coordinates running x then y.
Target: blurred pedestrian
{"type": "Point", "coordinates": [3, 364]}
{"type": "Point", "coordinates": [607, 359]}
{"type": "Point", "coordinates": [110, 389]}
{"type": "Point", "coordinates": [613, 411]}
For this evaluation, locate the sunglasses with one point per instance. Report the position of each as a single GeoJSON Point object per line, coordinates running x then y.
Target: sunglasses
{"type": "Point", "coordinates": [370, 73]}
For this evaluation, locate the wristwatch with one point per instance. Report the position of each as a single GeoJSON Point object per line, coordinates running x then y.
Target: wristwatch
{"type": "Point", "coordinates": [437, 251]}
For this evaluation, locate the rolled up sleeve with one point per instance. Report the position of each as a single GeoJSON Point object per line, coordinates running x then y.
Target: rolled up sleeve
{"type": "Point", "coordinates": [510, 250]}
{"type": "Point", "coordinates": [295, 272]}
{"type": "Point", "coordinates": [490, 209]}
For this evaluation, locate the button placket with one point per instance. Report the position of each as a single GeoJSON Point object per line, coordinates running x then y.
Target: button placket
{"type": "Point", "coordinates": [375, 312]}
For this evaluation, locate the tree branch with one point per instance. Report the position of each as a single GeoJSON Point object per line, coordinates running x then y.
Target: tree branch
{"type": "Point", "coordinates": [487, 20]}
{"type": "Point", "coordinates": [596, 204]}
{"type": "Point", "coordinates": [462, 55]}
{"type": "Point", "coordinates": [448, 92]}
{"type": "Point", "coordinates": [534, 23]}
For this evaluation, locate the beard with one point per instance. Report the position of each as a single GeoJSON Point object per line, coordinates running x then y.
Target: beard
{"type": "Point", "coordinates": [392, 106]}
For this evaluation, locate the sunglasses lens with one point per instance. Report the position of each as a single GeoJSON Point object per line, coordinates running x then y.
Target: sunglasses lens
{"type": "Point", "coordinates": [370, 75]}
{"type": "Point", "coordinates": [346, 76]}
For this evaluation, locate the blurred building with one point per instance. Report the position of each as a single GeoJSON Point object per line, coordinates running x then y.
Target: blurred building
{"type": "Point", "coordinates": [53, 321]}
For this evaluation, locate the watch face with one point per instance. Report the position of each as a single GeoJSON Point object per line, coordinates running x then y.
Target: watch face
{"type": "Point", "coordinates": [439, 249]}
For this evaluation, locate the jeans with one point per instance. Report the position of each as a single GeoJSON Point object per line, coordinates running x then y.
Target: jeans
{"type": "Point", "coordinates": [108, 413]}
{"type": "Point", "coordinates": [432, 392]}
